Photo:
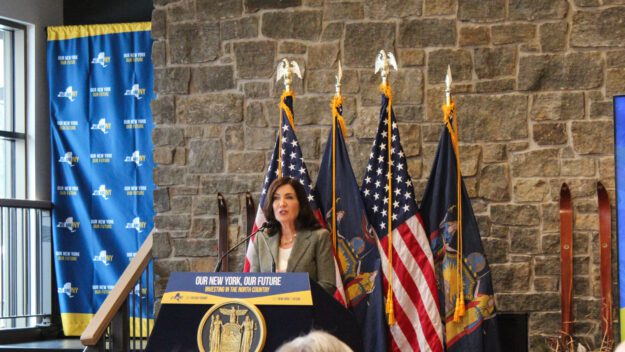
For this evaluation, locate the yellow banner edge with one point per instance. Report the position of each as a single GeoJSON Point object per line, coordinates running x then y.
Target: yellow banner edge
{"type": "Point", "coordinates": [81, 31]}
{"type": "Point", "coordinates": [75, 323]}
{"type": "Point", "coordinates": [622, 323]}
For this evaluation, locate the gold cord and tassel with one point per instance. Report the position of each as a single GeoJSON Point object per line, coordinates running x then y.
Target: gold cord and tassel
{"type": "Point", "coordinates": [386, 89]}
{"type": "Point", "coordinates": [451, 122]}
{"type": "Point", "coordinates": [289, 114]}
{"type": "Point", "coordinates": [337, 102]}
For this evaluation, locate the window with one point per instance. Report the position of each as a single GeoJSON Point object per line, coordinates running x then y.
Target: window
{"type": "Point", "coordinates": [12, 110]}
{"type": "Point", "coordinates": [25, 248]}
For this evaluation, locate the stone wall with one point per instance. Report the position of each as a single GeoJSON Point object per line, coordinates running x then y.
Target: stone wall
{"type": "Point", "coordinates": [533, 82]}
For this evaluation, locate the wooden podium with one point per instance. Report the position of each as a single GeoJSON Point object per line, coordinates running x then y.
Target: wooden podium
{"type": "Point", "coordinates": [222, 308]}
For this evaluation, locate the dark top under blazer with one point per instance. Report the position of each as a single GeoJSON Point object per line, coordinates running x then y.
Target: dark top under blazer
{"type": "Point", "coordinates": [311, 253]}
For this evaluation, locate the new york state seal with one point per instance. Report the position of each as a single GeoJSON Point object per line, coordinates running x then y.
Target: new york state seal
{"type": "Point", "coordinates": [232, 326]}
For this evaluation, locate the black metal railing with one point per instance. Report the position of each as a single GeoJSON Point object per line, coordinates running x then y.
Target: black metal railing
{"type": "Point", "coordinates": [25, 257]}
{"type": "Point", "coordinates": [123, 322]}
{"type": "Point", "coordinates": [141, 304]}
{"type": "Point", "coordinates": [131, 326]}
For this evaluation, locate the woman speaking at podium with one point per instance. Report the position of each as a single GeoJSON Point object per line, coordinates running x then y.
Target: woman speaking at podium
{"type": "Point", "coordinates": [296, 242]}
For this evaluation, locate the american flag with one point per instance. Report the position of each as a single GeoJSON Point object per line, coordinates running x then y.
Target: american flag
{"type": "Point", "coordinates": [413, 281]}
{"type": "Point", "coordinates": [291, 165]}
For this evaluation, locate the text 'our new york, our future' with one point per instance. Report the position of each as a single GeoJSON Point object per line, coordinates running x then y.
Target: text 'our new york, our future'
{"type": "Point", "coordinates": [237, 283]}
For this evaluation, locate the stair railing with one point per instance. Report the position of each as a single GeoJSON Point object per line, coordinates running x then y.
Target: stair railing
{"type": "Point", "coordinates": [111, 328]}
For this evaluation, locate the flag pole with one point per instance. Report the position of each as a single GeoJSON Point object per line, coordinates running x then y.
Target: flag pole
{"type": "Point", "coordinates": [391, 310]}
{"type": "Point", "coordinates": [337, 101]}
{"type": "Point", "coordinates": [449, 110]}
{"type": "Point", "coordinates": [285, 71]}
{"type": "Point", "coordinates": [383, 64]}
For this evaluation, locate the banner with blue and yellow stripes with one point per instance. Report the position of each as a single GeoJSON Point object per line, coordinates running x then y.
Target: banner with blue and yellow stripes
{"type": "Point", "coordinates": [101, 83]}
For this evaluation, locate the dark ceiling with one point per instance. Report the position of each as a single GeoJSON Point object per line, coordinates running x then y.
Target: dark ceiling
{"type": "Point", "coordinates": [77, 12]}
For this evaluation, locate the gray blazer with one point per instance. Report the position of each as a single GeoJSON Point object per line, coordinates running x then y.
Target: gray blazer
{"type": "Point", "coordinates": [311, 253]}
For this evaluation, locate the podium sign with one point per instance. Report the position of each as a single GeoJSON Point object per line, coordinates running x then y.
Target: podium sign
{"type": "Point", "coordinates": [284, 289]}
{"type": "Point", "coordinates": [245, 312]}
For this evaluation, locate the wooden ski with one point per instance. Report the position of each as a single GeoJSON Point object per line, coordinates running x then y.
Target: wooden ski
{"type": "Point", "coordinates": [566, 266]}
{"type": "Point", "coordinates": [222, 240]}
{"type": "Point", "coordinates": [605, 250]}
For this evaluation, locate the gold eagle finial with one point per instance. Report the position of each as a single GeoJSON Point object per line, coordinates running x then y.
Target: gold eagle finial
{"type": "Point", "coordinates": [286, 69]}
{"type": "Point", "coordinates": [383, 63]}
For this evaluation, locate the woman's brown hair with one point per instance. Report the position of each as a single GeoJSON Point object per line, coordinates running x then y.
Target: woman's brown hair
{"type": "Point", "coordinates": [305, 219]}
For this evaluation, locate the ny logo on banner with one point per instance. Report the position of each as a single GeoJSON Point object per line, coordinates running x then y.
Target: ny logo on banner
{"type": "Point", "coordinates": [69, 159]}
{"type": "Point", "coordinates": [135, 91]}
{"type": "Point", "coordinates": [68, 290]}
{"type": "Point", "coordinates": [136, 158]}
{"type": "Point", "coordinates": [68, 93]}
{"type": "Point", "coordinates": [101, 59]}
{"type": "Point", "coordinates": [136, 224]}
{"type": "Point", "coordinates": [69, 224]}
{"type": "Point", "coordinates": [102, 126]}
{"type": "Point", "coordinates": [103, 192]}
{"type": "Point", "coordinates": [103, 258]}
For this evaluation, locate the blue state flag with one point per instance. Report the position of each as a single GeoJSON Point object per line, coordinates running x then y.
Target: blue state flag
{"type": "Point", "coordinates": [468, 303]}
{"type": "Point", "coordinates": [355, 240]}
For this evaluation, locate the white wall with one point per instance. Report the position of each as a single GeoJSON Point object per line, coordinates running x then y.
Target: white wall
{"type": "Point", "coordinates": [37, 14]}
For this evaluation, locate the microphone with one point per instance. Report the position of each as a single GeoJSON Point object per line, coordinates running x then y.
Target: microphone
{"type": "Point", "coordinates": [266, 225]}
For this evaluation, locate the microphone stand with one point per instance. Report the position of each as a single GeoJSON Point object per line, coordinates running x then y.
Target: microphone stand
{"type": "Point", "coordinates": [219, 262]}
{"type": "Point", "coordinates": [273, 260]}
